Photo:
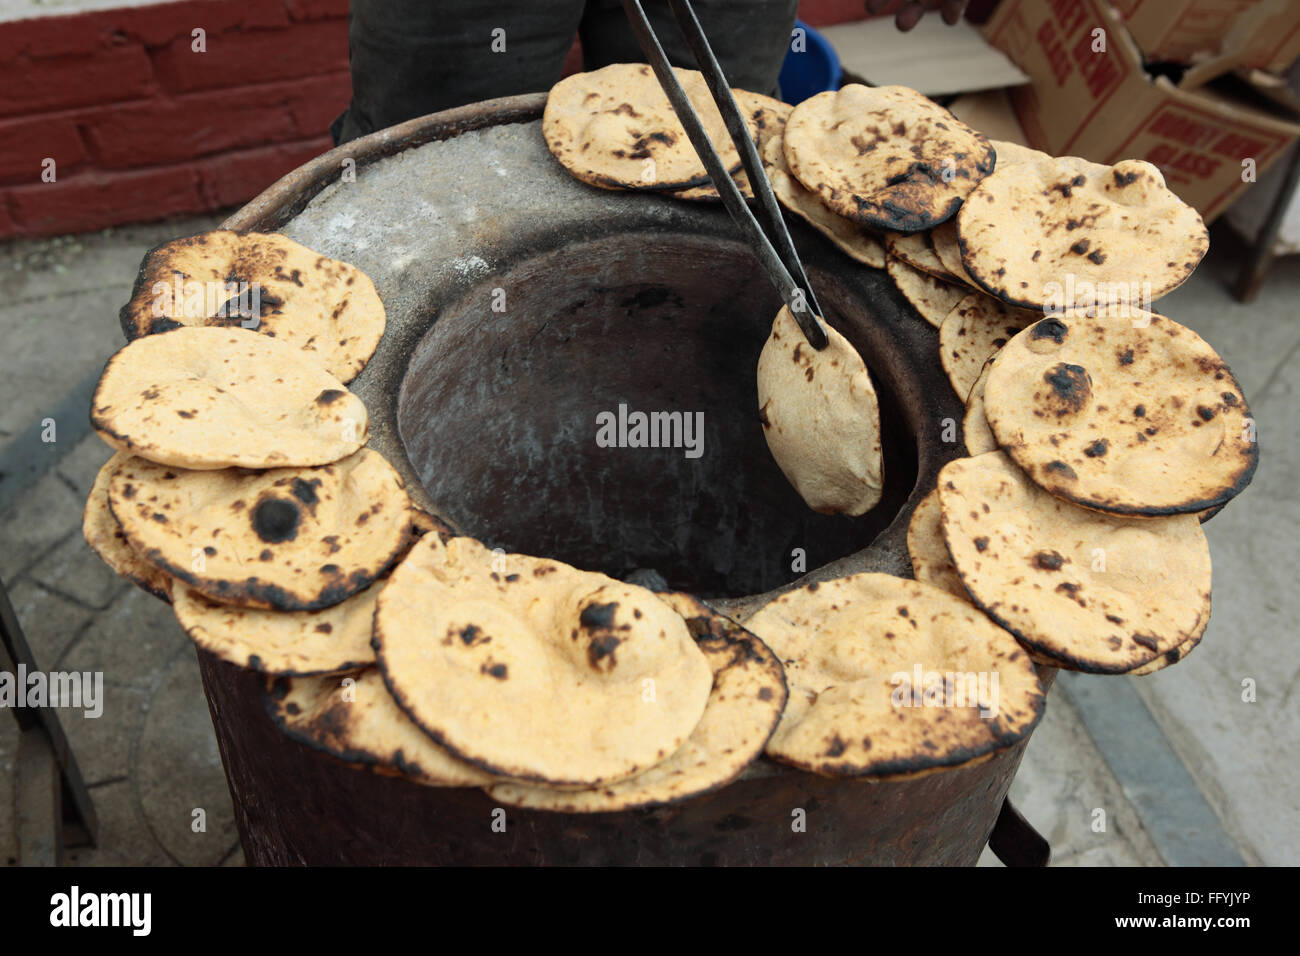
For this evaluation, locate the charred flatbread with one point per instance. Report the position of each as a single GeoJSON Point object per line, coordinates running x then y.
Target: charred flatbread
{"type": "Point", "coordinates": [855, 241]}
{"type": "Point", "coordinates": [615, 127]}
{"type": "Point", "coordinates": [742, 711]}
{"type": "Point", "coordinates": [359, 722]}
{"type": "Point", "coordinates": [932, 298]}
{"type": "Point", "coordinates": [104, 535]}
{"type": "Point", "coordinates": [288, 539]}
{"type": "Point", "coordinates": [265, 282]}
{"type": "Point", "coordinates": [885, 157]}
{"type": "Point", "coordinates": [1090, 592]}
{"type": "Point", "coordinates": [204, 398]}
{"type": "Point", "coordinates": [821, 418]}
{"type": "Point", "coordinates": [883, 677]}
{"type": "Point", "coordinates": [532, 669]}
{"type": "Point", "coordinates": [1128, 414]}
{"type": "Point", "coordinates": [1052, 233]}
{"type": "Point", "coordinates": [976, 328]}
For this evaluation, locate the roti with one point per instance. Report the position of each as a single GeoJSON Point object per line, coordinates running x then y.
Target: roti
{"type": "Point", "coordinates": [975, 427]}
{"type": "Point", "coordinates": [265, 282]}
{"type": "Point", "coordinates": [821, 419]}
{"type": "Point", "coordinates": [105, 537]}
{"type": "Point", "coordinates": [974, 331]}
{"type": "Point", "coordinates": [743, 708]}
{"type": "Point", "coordinates": [1132, 417]}
{"type": "Point", "coordinates": [537, 671]}
{"type": "Point", "coordinates": [615, 127]}
{"type": "Point", "coordinates": [932, 298]}
{"type": "Point", "coordinates": [915, 250]}
{"type": "Point", "coordinates": [886, 157]}
{"type": "Point", "coordinates": [942, 240]}
{"type": "Point", "coordinates": [766, 117]}
{"type": "Point", "coordinates": [360, 723]}
{"type": "Point", "coordinates": [290, 643]}
{"type": "Point", "coordinates": [931, 563]}
{"type": "Point", "coordinates": [1090, 592]}
{"type": "Point", "coordinates": [884, 678]}
{"type": "Point", "coordinates": [205, 398]}
{"type": "Point", "coordinates": [287, 539]}
{"type": "Point", "coordinates": [1056, 232]}
{"type": "Point", "coordinates": [852, 239]}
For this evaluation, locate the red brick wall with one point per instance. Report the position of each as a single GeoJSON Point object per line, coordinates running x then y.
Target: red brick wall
{"type": "Point", "coordinates": [142, 127]}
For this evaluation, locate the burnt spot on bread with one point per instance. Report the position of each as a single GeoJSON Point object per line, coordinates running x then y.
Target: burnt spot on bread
{"type": "Point", "coordinates": [981, 543]}
{"type": "Point", "coordinates": [472, 635]}
{"type": "Point", "coordinates": [1097, 257]}
{"type": "Point", "coordinates": [325, 627]}
{"type": "Point", "coordinates": [163, 324]}
{"type": "Point", "coordinates": [329, 396]}
{"type": "Point", "coordinates": [1097, 449]}
{"type": "Point", "coordinates": [1125, 357]}
{"type": "Point", "coordinates": [1081, 247]}
{"type": "Point", "coordinates": [305, 491]}
{"type": "Point", "coordinates": [600, 652]}
{"type": "Point", "coordinates": [1053, 329]}
{"type": "Point", "coordinates": [275, 520]}
{"type": "Point", "coordinates": [1071, 388]}
{"type": "Point", "coordinates": [1125, 179]}
{"type": "Point", "coordinates": [837, 747]}
{"type": "Point", "coordinates": [499, 671]}
{"type": "Point", "coordinates": [1060, 468]}
{"type": "Point", "coordinates": [595, 616]}
{"type": "Point", "coordinates": [1048, 561]}
{"type": "Point", "coordinates": [1205, 412]}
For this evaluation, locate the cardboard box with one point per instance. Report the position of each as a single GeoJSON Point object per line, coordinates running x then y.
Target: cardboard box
{"type": "Point", "coordinates": [1265, 33]}
{"type": "Point", "coordinates": [1090, 97]}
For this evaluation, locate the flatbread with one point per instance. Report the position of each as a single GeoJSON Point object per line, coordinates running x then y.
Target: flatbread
{"type": "Point", "coordinates": [974, 426]}
{"type": "Point", "coordinates": [974, 331]}
{"type": "Point", "coordinates": [744, 706]}
{"type": "Point", "coordinates": [885, 157]}
{"type": "Point", "coordinates": [289, 643]}
{"type": "Point", "coordinates": [853, 240]}
{"type": "Point", "coordinates": [931, 563]}
{"type": "Point", "coordinates": [615, 127]}
{"type": "Point", "coordinates": [105, 537]}
{"type": "Point", "coordinates": [942, 240]}
{"type": "Point", "coordinates": [821, 418]}
{"type": "Point", "coordinates": [914, 249]}
{"type": "Point", "coordinates": [932, 298]}
{"type": "Point", "coordinates": [537, 671]}
{"type": "Point", "coordinates": [325, 307]}
{"type": "Point", "coordinates": [1009, 153]}
{"type": "Point", "coordinates": [852, 648]}
{"type": "Point", "coordinates": [1168, 658]}
{"type": "Point", "coordinates": [1035, 564]}
{"type": "Point", "coordinates": [369, 730]}
{"type": "Point", "coordinates": [1129, 418]}
{"type": "Point", "coordinates": [766, 117]}
{"type": "Point", "coordinates": [1042, 234]}
{"type": "Point", "coordinates": [204, 398]}
{"type": "Point", "coordinates": [288, 539]}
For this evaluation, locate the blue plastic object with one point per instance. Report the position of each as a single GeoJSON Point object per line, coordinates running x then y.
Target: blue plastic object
{"type": "Point", "coordinates": [813, 69]}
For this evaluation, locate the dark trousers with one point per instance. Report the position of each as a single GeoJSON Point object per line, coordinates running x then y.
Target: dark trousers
{"type": "Point", "coordinates": [412, 57]}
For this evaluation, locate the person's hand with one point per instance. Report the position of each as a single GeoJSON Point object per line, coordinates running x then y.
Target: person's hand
{"type": "Point", "coordinates": [910, 13]}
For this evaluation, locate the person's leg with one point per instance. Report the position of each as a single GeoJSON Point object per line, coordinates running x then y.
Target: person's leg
{"type": "Point", "coordinates": [749, 37]}
{"type": "Point", "coordinates": [412, 57]}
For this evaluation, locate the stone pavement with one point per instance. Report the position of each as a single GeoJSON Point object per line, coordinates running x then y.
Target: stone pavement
{"type": "Point", "coordinates": [1181, 768]}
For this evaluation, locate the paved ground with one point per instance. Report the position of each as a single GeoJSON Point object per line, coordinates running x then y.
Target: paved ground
{"type": "Point", "coordinates": [1174, 768]}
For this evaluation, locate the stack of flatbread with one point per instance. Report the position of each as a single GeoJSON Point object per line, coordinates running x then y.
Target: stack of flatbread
{"type": "Point", "coordinates": [241, 490]}
{"type": "Point", "coordinates": [553, 688]}
{"type": "Point", "coordinates": [1098, 446]}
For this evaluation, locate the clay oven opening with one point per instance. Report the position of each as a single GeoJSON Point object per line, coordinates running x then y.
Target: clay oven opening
{"type": "Point", "coordinates": [501, 412]}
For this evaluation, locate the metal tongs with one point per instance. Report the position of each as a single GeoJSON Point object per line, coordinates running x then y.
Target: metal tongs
{"type": "Point", "coordinates": [769, 239]}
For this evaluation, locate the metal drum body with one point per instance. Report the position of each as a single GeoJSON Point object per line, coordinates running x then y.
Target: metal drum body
{"type": "Point", "coordinates": [520, 304]}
